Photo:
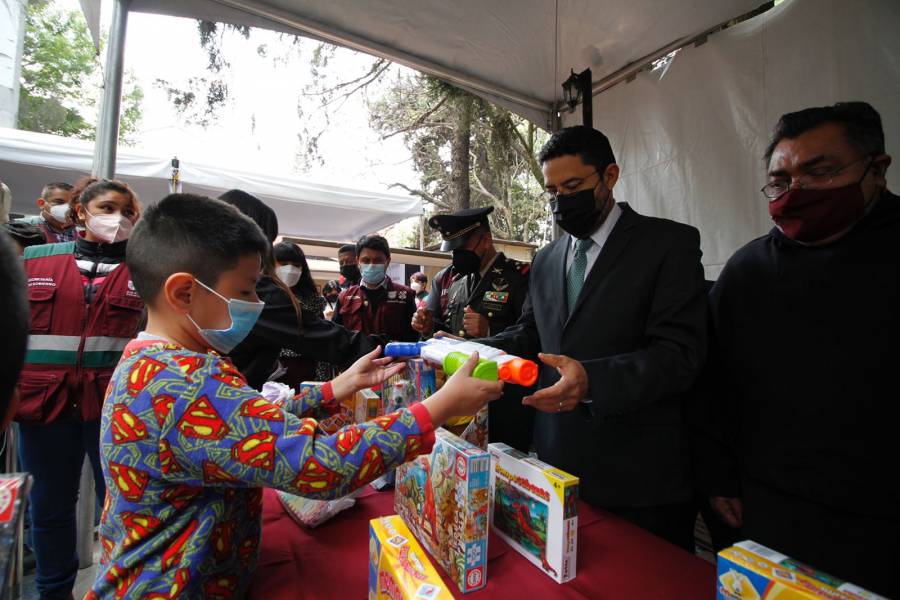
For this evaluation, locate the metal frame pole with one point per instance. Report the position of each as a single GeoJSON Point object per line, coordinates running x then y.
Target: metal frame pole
{"type": "Point", "coordinates": [108, 125]}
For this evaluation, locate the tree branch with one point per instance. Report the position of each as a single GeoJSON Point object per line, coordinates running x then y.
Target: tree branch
{"type": "Point", "coordinates": [420, 121]}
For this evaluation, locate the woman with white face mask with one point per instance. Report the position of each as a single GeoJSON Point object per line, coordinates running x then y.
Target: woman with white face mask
{"type": "Point", "coordinates": [419, 283]}
{"type": "Point", "coordinates": [292, 269]}
{"type": "Point", "coordinates": [83, 311]}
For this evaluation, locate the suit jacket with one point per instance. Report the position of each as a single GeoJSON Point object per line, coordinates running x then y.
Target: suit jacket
{"type": "Point", "coordinates": [639, 329]}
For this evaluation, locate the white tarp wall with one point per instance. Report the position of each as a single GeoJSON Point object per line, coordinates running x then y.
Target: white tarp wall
{"type": "Point", "coordinates": [690, 141]}
{"type": "Point", "coordinates": [28, 160]}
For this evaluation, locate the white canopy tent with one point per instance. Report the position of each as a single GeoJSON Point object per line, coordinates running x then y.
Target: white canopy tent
{"type": "Point", "coordinates": [29, 160]}
{"type": "Point", "coordinates": [514, 52]}
{"type": "Point", "coordinates": [688, 137]}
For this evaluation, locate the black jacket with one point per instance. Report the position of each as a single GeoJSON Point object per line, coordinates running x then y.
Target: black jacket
{"type": "Point", "coordinates": [639, 329]}
{"type": "Point", "coordinates": [278, 328]}
{"type": "Point", "coordinates": [806, 342]}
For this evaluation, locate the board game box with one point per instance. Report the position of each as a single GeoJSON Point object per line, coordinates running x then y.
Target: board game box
{"type": "Point", "coordinates": [398, 567]}
{"type": "Point", "coordinates": [362, 406]}
{"type": "Point", "coordinates": [534, 508]}
{"type": "Point", "coordinates": [751, 571]}
{"type": "Point", "coordinates": [443, 497]}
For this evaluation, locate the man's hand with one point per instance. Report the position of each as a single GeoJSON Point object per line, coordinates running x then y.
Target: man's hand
{"type": "Point", "coordinates": [423, 321]}
{"type": "Point", "coordinates": [366, 372]}
{"type": "Point", "coordinates": [449, 336]}
{"type": "Point", "coordinates": [730, 510]}
{"type": "Point", "coordinates": [565, 394]}
{"type": "Point", "coordinates": [475, 323]}
{"type": "Point", "coordinates": [462, 395]}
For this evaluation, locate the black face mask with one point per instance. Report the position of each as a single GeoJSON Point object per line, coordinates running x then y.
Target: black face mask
{"type": "Point", "coordinates": [577, 213]}
{"type": "Point", "coordinates": [351, 273]}
{"type": "Point", "coordinates": [332, 298]}
{"type": "Point", "coordinates": [466, 262]}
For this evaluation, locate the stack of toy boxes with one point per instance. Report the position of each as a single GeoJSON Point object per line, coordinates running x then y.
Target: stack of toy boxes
{"type": "Point", "coordinates": [750, 571]}
{"type": "Point", "coordinates": [362, 406]}
{"type": "Point", "coordinates": [534, 508]}
{"type": "Point", "coordinates": [443, 497]}
{"type": "Point", "coordinates": [398, 567]}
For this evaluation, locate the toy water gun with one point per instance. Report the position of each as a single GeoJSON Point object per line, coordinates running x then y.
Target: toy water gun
{"type": "Point", "coordinates": [450, 354]}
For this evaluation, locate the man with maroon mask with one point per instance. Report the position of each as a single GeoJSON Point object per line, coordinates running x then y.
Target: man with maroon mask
{"type": "Point", "coordinates": [806, 339]}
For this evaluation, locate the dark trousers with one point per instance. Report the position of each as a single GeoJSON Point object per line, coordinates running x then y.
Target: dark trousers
{"type": "Point", "coordinates": [54, 454]}
{"type": "Point", "coordinates": [671, 522]}
{"type": "Point", "coordinates": [861, 549]}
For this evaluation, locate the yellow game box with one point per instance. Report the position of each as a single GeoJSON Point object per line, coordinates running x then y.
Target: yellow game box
{"type": "Point", "coordinates": [398, 567]}
{"type": "Point", "coordinates": [750, 571]}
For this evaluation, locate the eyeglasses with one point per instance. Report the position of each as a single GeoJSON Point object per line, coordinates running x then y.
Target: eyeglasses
{"type": "Point", "coordinates": [816, 178]}
{"type": "Point", "coordinates": [548, 196]}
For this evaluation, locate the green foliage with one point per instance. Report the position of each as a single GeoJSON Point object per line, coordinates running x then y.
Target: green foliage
{"type": "Point", "coordinates": [61, 77]}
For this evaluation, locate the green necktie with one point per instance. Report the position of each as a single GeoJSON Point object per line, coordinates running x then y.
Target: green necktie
{"type": "Point", "coordinates": [575, 276]}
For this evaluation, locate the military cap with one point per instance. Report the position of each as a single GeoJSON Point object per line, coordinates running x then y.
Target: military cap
{"type": "Point", "coordinates": [456, 227]}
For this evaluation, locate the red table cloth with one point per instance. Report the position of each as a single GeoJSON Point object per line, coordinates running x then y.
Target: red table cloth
{"type": "Point", "coordinates": [616, 560]}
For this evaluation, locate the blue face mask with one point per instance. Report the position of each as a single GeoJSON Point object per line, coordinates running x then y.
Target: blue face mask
{"type": "Point", "coordinates": [372, 274]}
{"type": "Point", "coordinates": [243, 317]}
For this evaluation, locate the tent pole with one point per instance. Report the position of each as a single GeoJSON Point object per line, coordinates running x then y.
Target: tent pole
{"type": "Point", "coordinates": [108, 125]}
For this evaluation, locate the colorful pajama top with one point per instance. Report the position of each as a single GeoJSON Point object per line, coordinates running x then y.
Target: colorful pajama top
{"type": "Point", "coordinates": [186, 449]}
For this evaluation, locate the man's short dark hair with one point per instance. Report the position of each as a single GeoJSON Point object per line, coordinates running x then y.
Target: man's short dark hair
{"type": "Point", "coordinates": [261, 213]}
{"type": "Point", "coordinates": [586, 142]}
{"type": "Point", "coordinates": [191, 234]}
{"type": "Point", "coordinates": [373, 242]}
{"type": "Point", "coordinates": [347, 248]}
{"type": "Point", "coordinates": [57, 185]}
{"type": "Point", "coordinates": [13, 320]}
{"type": "Point", "coordinates": [861, 122]}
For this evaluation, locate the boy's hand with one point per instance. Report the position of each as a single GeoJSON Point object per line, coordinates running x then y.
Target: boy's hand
{"type": "Point", "coordinates": [462, 394]}
{"type": "Point", "coordinates": [366, 372]}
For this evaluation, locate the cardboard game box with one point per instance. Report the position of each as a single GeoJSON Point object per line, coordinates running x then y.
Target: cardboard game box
{"type": "Point", "coordinates": [423, 378]}
{"type": "Point", "coordinates": [534, 508]}
{"type": "Point", "coordinates": [443, 497]}
{"type": "Point", "coordinates": [398, 567]}
{"type": "Point", "coordinates": [360, 407]}
{"type": "Point", "coordinates": [750, 571]}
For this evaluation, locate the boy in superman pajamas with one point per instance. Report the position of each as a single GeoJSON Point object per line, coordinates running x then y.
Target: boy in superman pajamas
{"type": "Point", "coordinates": [187, 446]}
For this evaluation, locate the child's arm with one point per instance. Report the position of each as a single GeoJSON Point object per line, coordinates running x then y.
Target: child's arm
{"type": "Point", "coordinates": [367, 372]}
{"type": "Point", "coordinates": [222, 433]}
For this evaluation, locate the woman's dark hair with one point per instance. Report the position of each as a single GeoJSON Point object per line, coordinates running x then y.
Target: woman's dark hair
{"type": "Point", "coordinates": [286, 252]}
{"type": "Point", "coordinates": [256, 209]}
{"type": "Point", "coordinates": [90, 187]}
{"type": "Point", "coordinates": [265, 217]}
{"type": "Point", "coordinates": [420, 277]}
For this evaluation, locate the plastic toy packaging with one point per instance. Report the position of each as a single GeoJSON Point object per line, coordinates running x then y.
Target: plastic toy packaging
{"type": "Point", "coordinates": [312, 513]}
{"type": "Point", "coordinates": [14, 489]}
{"type": "Point", "coordinates": [276, 392]}
{"type": "Point", "coordinates": [450, 354]}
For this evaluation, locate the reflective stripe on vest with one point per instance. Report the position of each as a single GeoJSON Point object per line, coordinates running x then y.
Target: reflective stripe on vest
{"type": "Point", "coordinates": [100, 351]}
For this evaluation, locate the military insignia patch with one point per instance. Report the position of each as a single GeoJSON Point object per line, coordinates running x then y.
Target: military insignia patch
{"type": "Point", "coordinates": [498, 297]}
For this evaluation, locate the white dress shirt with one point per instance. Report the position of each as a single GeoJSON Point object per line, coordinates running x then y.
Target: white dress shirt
{"type": "Point", "coordinates": [599, 238]}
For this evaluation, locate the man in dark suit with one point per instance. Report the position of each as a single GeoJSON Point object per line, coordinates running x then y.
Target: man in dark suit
{"type": "Point", "coordinates": [617, 311]}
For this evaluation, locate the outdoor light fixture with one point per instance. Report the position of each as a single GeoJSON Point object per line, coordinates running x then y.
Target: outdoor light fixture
{"type": "Point", "coordinates": [577, 89]}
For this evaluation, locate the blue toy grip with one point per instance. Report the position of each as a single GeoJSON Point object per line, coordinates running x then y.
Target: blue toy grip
{"type": "Point", "coordinates": [402, 349]}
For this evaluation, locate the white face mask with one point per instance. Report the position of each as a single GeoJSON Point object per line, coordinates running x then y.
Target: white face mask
{"type": "Point", "coordinates": [109, 228]}
{"type": "Point", "coordinates": [59, 212]}
{"type": "Point", "coordinates": [289, 274]}
{"type": "Point", "coordinates": [416, 286]}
